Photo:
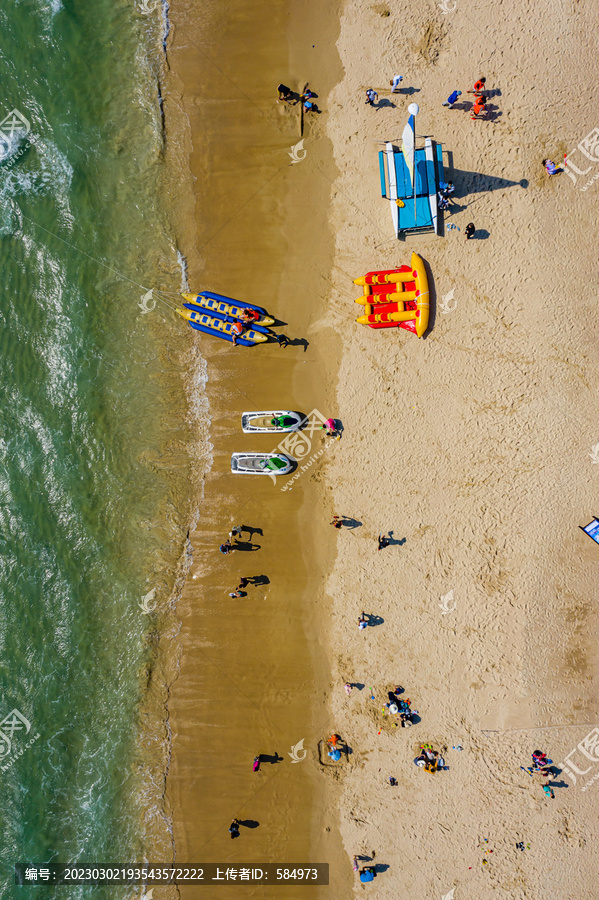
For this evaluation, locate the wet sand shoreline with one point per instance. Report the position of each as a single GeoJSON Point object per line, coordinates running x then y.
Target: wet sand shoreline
{"type": "Point", "coordinates": [254, 673]}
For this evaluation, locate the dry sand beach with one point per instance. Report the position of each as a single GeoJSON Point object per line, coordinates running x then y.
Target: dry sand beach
{"type": "Point", "coordinates": [473, 445]}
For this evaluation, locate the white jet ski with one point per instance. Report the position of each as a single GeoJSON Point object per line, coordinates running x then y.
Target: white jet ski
{"type": "Point", "coordinates": [261, 464]}
{"type": "Point", "coordinates": [271, 421]}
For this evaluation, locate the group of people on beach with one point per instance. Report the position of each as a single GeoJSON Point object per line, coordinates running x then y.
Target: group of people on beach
{"type": "Point", "coordinates": [541, 765]}
{"type": "Point", "coordinates": [480, 99]}
{"type": "Point", "coordinates": [306, 98]}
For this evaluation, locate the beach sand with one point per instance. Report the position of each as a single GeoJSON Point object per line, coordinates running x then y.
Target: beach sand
{"type": "Point", "coordinates": [253, 671]}
{"type": "Point", "coordinates": [473, 445]}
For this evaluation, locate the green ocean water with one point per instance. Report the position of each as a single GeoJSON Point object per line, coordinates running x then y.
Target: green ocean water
{"type": "Point", "coordinates": [84, 399]}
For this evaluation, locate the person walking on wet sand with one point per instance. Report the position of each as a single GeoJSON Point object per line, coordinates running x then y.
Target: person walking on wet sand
{"type": "Point", "coordinates": [337, 521]}
{"type": "Point", "coordinates": [243, 583]}
{"type": "Point", "coordinates": [469, 230]}
{"type": "Point", "coordinates": [234, 828]}
{"type": "Point", "coordinates": [256, 764]}
{"type": "Point", "coordinates": [227, 547]}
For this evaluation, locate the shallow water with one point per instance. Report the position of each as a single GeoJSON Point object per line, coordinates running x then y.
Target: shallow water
{"type": "Point", "coordinates": [88, 515]}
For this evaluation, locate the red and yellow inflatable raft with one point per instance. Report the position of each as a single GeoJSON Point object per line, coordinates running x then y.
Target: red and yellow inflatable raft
{"type": "Point", "coordinates": [397, 298]}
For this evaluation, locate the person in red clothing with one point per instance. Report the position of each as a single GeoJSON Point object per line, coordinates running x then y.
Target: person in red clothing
{"type": "Point", "coordinates": [479, 87]}
{"type": "Point", "coordinates": [478, 108]}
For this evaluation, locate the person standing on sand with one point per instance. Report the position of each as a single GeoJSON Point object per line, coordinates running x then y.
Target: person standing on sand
{"type": "Point", "coordinates": [282, 340]}
{"type": "Point", "coordinates": [337, 521]}
{"type": "Point", "coordinates": [469, 230]}
{"type": "Point", "coordinates": [234, 829]}
{"type": "Point", "coordinates": [243, 582]}
{"type": "Point", "coordinates": [384, 541]}
{"type": "Point", "coordinates": [362, 621]}
{"type": "Point", "coordinates": [395, 83]}
{"type": "Point", "coordinates": [227, 547]}
{"type": "Point", "coordinates": [256, 764]}
{"type": "Point", "coordinates": [551, 168]}
{"type": "Point", "coordinates": [348, 688]}
{"type": "Point", "coordinates": [479, 87]}
{"type": "Point", "coordinates": [452, 99]}
{"type": "Point", "coordinates": [371, 97]}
